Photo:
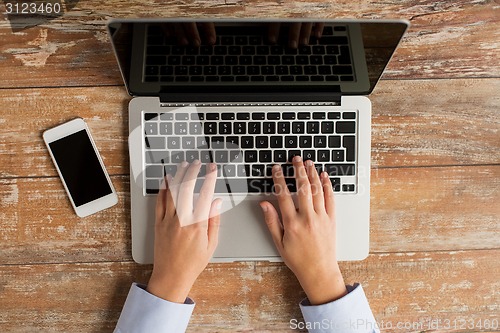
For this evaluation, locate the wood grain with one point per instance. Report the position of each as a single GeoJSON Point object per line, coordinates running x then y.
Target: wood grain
{"type": "Point", "coordinates": [448, 39]}
{"type": "Point", "coordinates": [449, 208]}
{"type": "Point", "coordinates": [255, 297]}
{"type": "Point", "coordinates": [415, 123]}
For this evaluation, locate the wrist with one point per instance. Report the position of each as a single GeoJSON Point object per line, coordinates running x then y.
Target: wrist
{"type": "Point", "coordinates": [325, 287]}
{"type": "Point", "coordinates": [172, 290]}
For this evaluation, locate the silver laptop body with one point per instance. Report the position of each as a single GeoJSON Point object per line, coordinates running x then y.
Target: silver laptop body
{"type": "Point", "coordinates": [161, 96]}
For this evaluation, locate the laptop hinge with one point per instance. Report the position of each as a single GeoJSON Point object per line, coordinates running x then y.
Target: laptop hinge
{"type": "Point", "coordinates": [253, 98]}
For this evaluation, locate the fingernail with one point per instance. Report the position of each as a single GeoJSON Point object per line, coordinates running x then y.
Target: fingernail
{"type": "Point", "coordinates": [184, 164]}
{"type": "Point", "coordinates": [218, 205]}
{"type": "Point", "coordinates": [213, 166]}
{"type": "Point", "coordinates": [276, 167]}
{"type": "Point", "coordinates": [293, 44]}
{"type": "Point", "coordinates": [196, 162]}
{"type": "Point", "coordinates": [297, 158]}
{"type": "Point", "coordinates": [263, 206]}
{"type": "Point", "coordinates": [309, 163]}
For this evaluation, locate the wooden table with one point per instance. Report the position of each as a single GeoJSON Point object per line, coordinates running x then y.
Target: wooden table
{"type": "Point", "coordinates": [435, 180]}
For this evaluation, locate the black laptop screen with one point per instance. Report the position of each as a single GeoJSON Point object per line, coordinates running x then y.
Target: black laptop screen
{"type": "Point", "coordinates": [206, 57]}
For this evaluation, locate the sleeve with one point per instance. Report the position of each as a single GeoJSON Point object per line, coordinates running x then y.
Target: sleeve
{"type": "Point", "coordinates": [144, 312]}
{"type": "Point", "coordinates": [349, 314]}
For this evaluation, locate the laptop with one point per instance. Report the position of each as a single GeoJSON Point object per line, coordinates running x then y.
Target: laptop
{"type": "Point", "coordinates": [248, 94]}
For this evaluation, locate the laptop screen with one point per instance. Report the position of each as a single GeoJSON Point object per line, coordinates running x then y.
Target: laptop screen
{"type": "Point", "coordinates": [239, 56]}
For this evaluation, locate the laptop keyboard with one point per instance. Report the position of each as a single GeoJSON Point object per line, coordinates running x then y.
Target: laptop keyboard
{"type": "Point", "coordinates": [243, 55]}
{"type": "Point", "coordinates": [245, 146]}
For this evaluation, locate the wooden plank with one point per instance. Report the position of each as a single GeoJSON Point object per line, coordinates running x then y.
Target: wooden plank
{"type": "Point", "coordinates": [451, 208]}
{"type": "Point", "coordinates": [410, 288]}
{"type": "Point", "coordinates": [448, 39]}
{"type": "Point", "coordinates": [415, 123]}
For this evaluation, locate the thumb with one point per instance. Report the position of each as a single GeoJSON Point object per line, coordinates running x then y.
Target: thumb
{"type": "Point", "coordinates": [273, 223]}
{"type": "Point", "coordinates": [214, 224]}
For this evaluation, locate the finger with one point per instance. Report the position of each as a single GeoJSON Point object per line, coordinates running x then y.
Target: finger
{"type": "Point", "coordinates": [303, 185]}
{"type": "Point", "coordinates": [273, 224]}
{"type": "Point", "coordinates": [318, 29]}
{"type": "Point", "coordinates": [209, 34]}
{"type": "Point", "coordinates": [202, 209]}
{"type": "Point", "coordinates": [273, 32]}
{"type": "Point", "coordinates": [161, 202]}
{"type": "Point", "coordinates": [186, 191]}
{"type": "Point", "coordinates": [180, 34]}
{"type": "Point", "coordinates": [214, 225]}
{"type": "Point", "coordinates": [192, 33]}
{"type": "Point", "coordinates": [169, 201]}
{"type": "Point", "coordinates": [285, 202]}
{"type": "Point", "coordinates": [305, 33]}
{"type": "Point", "coordinates": [176, 181]}
{"type": "Point", "coordinates": [328, 194]}
{"type": "Point", "coordinates": [316, 187]}
{"type": "Point", "coordinates": [294, 35]}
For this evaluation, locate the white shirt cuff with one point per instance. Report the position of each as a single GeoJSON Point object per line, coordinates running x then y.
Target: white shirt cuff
{"type": "Point", "coordinates": [349, 314]}
{"type": "Point", "coordinates": [145, 312]}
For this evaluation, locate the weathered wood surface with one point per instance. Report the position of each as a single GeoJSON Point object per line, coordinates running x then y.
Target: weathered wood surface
{"type": "Point", "coordinates": [257, 297]}
{"type": "Point", "coordinates": [415, 123]}
{"type": "Point", "coordinates": [435, 176]}
{"type": "Point", "coordinates": [413, 209]}
{"type": "Point", "coordinates": [448, 39]}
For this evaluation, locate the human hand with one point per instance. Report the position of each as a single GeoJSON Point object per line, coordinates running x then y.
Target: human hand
{"type": "Point", "coordinates": [298, 33]}
{"type": "Point", "coordinates": [186, 235]}
{"type": "Point", "coordinates": [191, 33]}
{"type": "Point", "coordinates": [306, 235]}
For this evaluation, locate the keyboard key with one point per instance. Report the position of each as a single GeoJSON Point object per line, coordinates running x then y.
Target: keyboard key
{"type": "Point", "coordinates": [265, 156]}
{"type": "Point", "coordinates": [309, 155]}
{"type": "Point", "coordinates": [261, 142]}
{"type": "Point", "coordinates": [323, 155]}
{"type": "Point", "coordinates": [349, 115]}
{"type": "Point", "coordinates": [333, 115]}
{"type": "Point", "coordinates": [304, 115]}
{"type": "Point", "coordinates": [225, 128]}
{"type": "Point", "coordinates": [212, 116]}
{"type": "Point", "coordinates": [334, 141]}
{"type": "Point", "coordinates": [195, 128]}
{"type": "Point", "coordinates": [181, 128]}
{"type": "Point", "coordinates": [210, 128]}
{"type": "Point", "coordinates": [192, 155]}
{"type": "Point", "coordinates": [305, 141]}
{"type": "Point", "coordinates": [348, 187]}
{"type": "Point", "coordinates": [340, 169]}
{"type": "Point", "coordinates": [292, 153]}
{"type": "Point", "coordinates": [188, 142]}
{"type": "Point", "coordinates": [239, 128]}
{"type": "Point", "coordinates": [335, 184]}
{"type": "Point", "coordinates": [258, 170]}
{"type": "Point", "coordinates": [345, 127]}
{"type": "Point", "coordinates": [262, 185]}
{"type": "Point", "coordinates": [232, 142]}
{"type": "Point", "coordinates": [152, 186]}
{"type": "Point", "coordinates": [269, 128]}
{"type": "Point", "coordinates": [327, 127]}
{"type": "Point", "coordinates": [157, 157]}
{"type": "Point", "coordinates": [350, 146]}
{"type": "Point", "coordinates": [279, 156]}
{"type": "Point", "coordinates": [177, 157]}
{"type": "Point", "coordinates": [154, 171]}
{"type": "Point", "coordinates": [221, 156]}
{"type": "Point", "coordinates": [206, 156]}
{"type": "Point", "coordinates": [242, 170]}
{"type": "Point", "coordinates": [283, 127]}
{"type": "Point", "coordinates": [155, 142]}
{"type": "Point", "coordinates": [202, 142]}
{"type": "Point", "coordinates": [235, 156]}
{"type": "Point", "coordinates": [254, 128]}
{"type": "Point", "coordinates": [298, 127]}
{"type": "Point", "coordinates": [288, 116]}
{"type": "Point", "coordinates": [217, 142]}
{"type": "Point", "coordinates": [288, 170]}
{"type": "Point", "coordinates": [273, 115]}
{"type": "Point", "coordinates": [320, 141]}
{"type": "Point", "coordinates": [312, 127]}
{"type": "Point", "coordinates": [151, 128]}
{"type": "Point", "coordinates": [337, 155]}
{"type": "Point", "coordinates": [276, 142]}
{"type": "Point", "coordinates": [173, 142]}
{"type": "Point", "coordinates": [258, 116]}
{"type": "Point", "coordinates": [243, 116]}
{"type": "Point", "coordinates": [150, 116]}
{"type": "Point", "coordinates": [319, 115]}
{"type": "Point", "coordinates": [247, 142]}
{"type": "Point", "coordinates": [250, 156]}
{"type": "Point", "coordinates": [227, 116]}
{"type": "Point", "coordinates": [291, 142]}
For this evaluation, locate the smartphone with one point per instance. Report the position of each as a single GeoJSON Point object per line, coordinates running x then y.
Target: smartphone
{"type": "Point", "coordinates": [80, 167]}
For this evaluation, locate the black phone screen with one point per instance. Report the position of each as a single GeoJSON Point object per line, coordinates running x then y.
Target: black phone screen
{"type": "Point", "coordinates": [80, 168]}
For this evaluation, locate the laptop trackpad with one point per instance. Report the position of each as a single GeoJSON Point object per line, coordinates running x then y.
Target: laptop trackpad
{"type": "Point", "coordinates": [244, 234]}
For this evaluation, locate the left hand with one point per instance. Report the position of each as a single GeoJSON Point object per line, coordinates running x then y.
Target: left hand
{"type": "Point", "coordinates": [185, 235]}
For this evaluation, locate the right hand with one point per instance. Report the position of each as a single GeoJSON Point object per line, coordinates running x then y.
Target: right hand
{"type": "Point", "coordinates": [306, 235]}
